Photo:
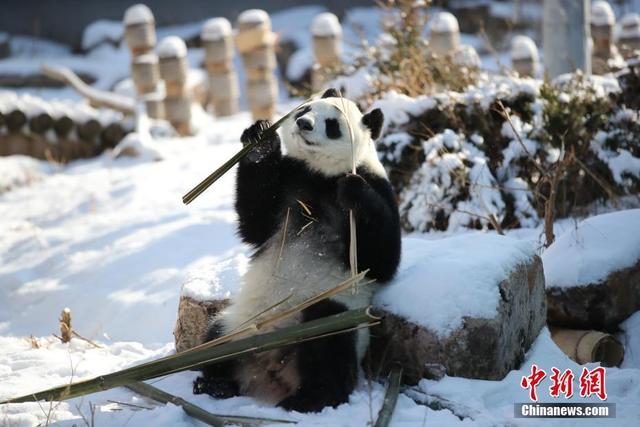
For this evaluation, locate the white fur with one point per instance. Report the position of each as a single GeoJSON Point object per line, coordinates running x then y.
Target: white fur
{"type": "Point", "coordinates": [332, 156]}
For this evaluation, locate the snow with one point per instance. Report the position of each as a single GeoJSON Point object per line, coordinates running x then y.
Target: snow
{"type": "Point", "coordinates": [440, 282]}
{"type": "Point", "coordinates": [215, 281]}
{"type": "Point", "coordinates": [466, 56]}
{"type": "Point", "coordinates": [595, 248]}
{"type": "Point", "coordinates": [444, 22]}
{"type": "Point", "coordinates": [138, 14]}
{"type": "Point", "coordinates": [490, 403]}
{"type": "Point", "coordinates": [629, 26]}
{"type": "Point", "coordinates": [326, 25]}
{"type": "Point", "coordinates": [523, 47]}
{"type": "Point", "coordinates": [602, 14]}
{"type": "Point", "coordinates": [253, 16]}
{"type": "Point", "coordinates": [19, 171]}
{"type": "Point", "coordinates": [147, 58]}
{"type": "Point", "coordinates": [630, 339]}
{"type": "Point", "coordinates": [172, 47]}
{"type": "Point", "coordinates": [216, 29]}
{"type": "Point", "coordinates": [102, 31]}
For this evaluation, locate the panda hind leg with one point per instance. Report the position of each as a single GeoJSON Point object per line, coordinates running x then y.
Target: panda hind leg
{"type": "Point", "coordinates": [328, 366]}
{"type": "Point", "coordinates": [217, 379]}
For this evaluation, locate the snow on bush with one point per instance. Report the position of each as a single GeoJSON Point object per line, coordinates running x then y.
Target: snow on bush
{"type": "Point", "coordinates": [595, 248]}
{"type": "Point", "coordinates": [482, 156]}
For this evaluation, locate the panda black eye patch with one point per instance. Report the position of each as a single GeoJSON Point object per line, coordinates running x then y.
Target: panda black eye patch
{"type": "Point", "coordinates": [332, 128]}
{"type": "Point", "coordinates": [302, 112]}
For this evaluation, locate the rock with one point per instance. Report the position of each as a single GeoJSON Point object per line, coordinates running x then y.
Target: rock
{"type": "Point", "coordinates": [482, 348]}
{"type": "Point", "coordinates": [600, 306]}
{"type": "Point", "coordinates": [193, 319]}
{"type": "Point", "coordinates": [485, 347]}
{"type": "Point", "coordinates": [593, 272]}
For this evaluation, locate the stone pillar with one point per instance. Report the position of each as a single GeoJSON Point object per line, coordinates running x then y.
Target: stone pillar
{"type": "Point", "coordinates": [217, 39]}
{"type": "Point", "coordinates": [173, 70]}
{"type": "Point", "coordinates": [444, 34]}
{"type": "Point", "coordinates": [629, 36]}
{"type": "Point", "coordinates": [327, 48]}
{"type": "Point", "coordinates": [566, 36]}
{"type": "Point", "coordinates": [255, 42]}
{"type": "Point", "coordinates": [524, 56]}
{"type": "Point", "coordinates": [140, 35]}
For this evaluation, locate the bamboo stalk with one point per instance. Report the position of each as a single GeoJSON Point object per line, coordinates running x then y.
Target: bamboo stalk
{"type": "Point", "coordinates": [390, 396]}
{"type": "Point", "coordinates": [202, 355]}
{"type": "Point", "coordinates": [197, 412]}
{"type": "Point", "coordinates": [208, 181]}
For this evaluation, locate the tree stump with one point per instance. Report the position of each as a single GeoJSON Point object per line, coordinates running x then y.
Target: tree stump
{"type": "Point", "coordinates": [173, 70]}
{"type": "Point", "coordinates": [524, 56]}
{"type": "Point", "coordinates": [629, 35]}
{"type": "Point", "coordinates": [139, 29]}
{"type": "Point", "coordinates": [327, 48]}
{"type": "Point", "coordinates": [217, 39]}
{"type": "Point", "coordinates": [444, 35]}
{"type": "Point", "coordinates": [256, 42]}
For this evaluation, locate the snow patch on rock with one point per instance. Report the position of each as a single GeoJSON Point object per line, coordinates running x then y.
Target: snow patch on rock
{"type": "Point", "coordinates": [595, 248]}
{"type": "Point", "coordinates": [440, 282]}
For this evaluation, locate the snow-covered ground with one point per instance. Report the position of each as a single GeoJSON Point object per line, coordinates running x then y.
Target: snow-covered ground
{"type": "Point", "coordinates": [111, 239]}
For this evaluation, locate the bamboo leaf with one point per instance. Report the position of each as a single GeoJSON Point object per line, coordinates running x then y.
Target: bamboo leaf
{"type": "Point", "coordinates": [199, 357]}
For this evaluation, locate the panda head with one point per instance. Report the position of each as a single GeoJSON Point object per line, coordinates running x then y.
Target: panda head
{"type": "Point", "coordinates": [330, 133]}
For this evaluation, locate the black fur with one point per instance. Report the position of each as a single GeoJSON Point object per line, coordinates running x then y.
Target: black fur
{"type": "Point", "coordinates": [266, 189]}
{"type": "Point", "coordinates": [328, 366]}
{"type": "Point", "coordinates": [332, 128]}
{"type": "Point", "coordinates": [373, 120]}
{"type": "Point", "coordinates": [331, 93]}
{"type": "Point", "coordinates": [217, 379]}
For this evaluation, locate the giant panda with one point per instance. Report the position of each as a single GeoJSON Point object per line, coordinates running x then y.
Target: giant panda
{"type": "Point", "coordinates": [293, 210]}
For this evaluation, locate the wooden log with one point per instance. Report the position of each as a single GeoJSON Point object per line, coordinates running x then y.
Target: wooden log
{"type": "Point", "coordinates": [139, 29]}
{"type": "Point", "coordinates": [225, 107]}
{"type": "Point", "coordinates": [145, 73]}
{"type": "Point", "coordinates": [589, 346]}
{"type": "Point", "coordinates": [261, 58]}
{"type": "Point", "coordinates": [629, 35]}
{"type": "Point", "coordinates": [224, 86]}
{"type": "Point", "coordinates": [15, 120]}
{"type": "Point", "coordinates": [327, 39]}
{"type": "Point", "coordinates": [41, 123]}
{"type": "Point", "coordinates": [178, 111]}
{"type": "Point", "coordinates": [96, 97]}
{"type": "Point", "coordinates": [524, 56]}
{"type": "Point", "coordinates": [111, 136]}
{"type": "Point", "coordinates": [193, 320]}
{"type": "Point", "coordinates": [217, 40]}
{"type": "Point", "coordinates": [444, 37]}
{"type": "Point", "coordinates": [63, 125]}
{"type": "Point", "coordinates": [89, 130]}
{"type": "Point", "coordinates": [254, 30]}
{"type": "Point", "coordinates": [155, 108]}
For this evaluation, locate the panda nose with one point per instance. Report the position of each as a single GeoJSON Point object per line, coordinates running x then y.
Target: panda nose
{"type": "Point", "coordinates": [304, 123]}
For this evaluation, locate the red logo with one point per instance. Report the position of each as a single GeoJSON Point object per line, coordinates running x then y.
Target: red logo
{"type": "Point", "coordinates": [592, 382]}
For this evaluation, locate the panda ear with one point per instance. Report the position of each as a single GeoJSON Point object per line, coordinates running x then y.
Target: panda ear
{"type": "Point", "coordinates": [331, 93]}
{"type": "Point", "coordinates": [373, 121]}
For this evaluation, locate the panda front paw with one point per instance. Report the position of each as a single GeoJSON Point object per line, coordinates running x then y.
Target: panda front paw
{"type": "Point", "coordinates": [264, 148]}
{"type": "Point", "coordinates": [350, 191]}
